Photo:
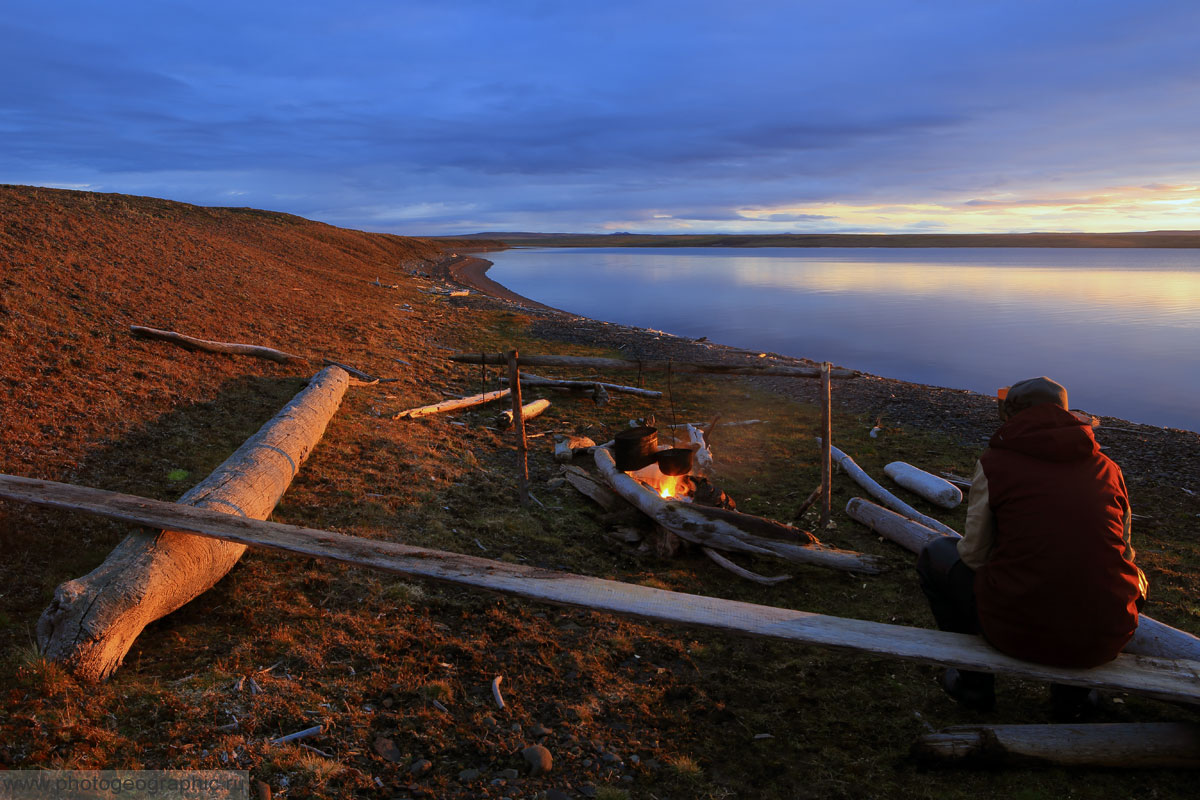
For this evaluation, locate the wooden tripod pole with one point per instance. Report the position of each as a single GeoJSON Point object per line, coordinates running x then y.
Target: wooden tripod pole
{"type": "Point", "coordinates": [514, 382]}
{"type": "Point", "coordinates": [826, 453]}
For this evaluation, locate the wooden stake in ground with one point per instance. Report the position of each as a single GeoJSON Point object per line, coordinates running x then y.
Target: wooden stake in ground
{"type": "Point", "coordinates": [1164, 678]}
{"type": "Point", "coordinates": [93, 621]}
{"type": "Point", "coordinates": [514, 378]}
{"type": "Point", "coordinates": [826, 442]}
{"type": "Point", "coordinates": [228, 348]}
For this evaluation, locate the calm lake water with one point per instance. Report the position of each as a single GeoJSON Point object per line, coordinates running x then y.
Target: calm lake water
{"type": "Point", "coordinates": [1119, 328]}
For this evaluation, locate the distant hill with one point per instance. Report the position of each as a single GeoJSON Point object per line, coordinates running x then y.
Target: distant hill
{"type": "Point", "coordinates": [1175, 239]}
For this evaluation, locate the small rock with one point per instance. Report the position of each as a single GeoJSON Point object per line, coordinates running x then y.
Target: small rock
{"type": "Point", "coordinates": [420, 766]}
{"type": "Point", "coordinates": [509, 774]}
{"type": "Point", "coordinates": [468, 775]}
{"type": "Point", "coordinates": [538, 758]}
{"type": "Point", "coordinates": [587, 762]}
{"type": "Point", "coordinates": [588, 790]}
{"type": "Point", "coordinates": [635, 760]}
{"type": "Point", "coordinates": [626, 779]}
{"type": "Point", "coordinates": [557, 794]}
{"type": "Point", "coordinates": [611, 758]}
{"type": "Point", "coordinates": [539, 730]}
{"type": "Point", "coordinates": [387, 748]}
{"type": "Point", "coordinates": [515, 727]}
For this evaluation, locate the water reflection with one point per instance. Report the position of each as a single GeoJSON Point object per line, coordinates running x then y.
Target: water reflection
{"type": "Point", "coordinates": [1118, 327]}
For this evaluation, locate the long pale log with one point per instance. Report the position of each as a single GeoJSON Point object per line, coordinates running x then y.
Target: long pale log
{"type": "Point", "coordinates": [93, 621]}
{"type": "Point", "coordinates": [1152, 638]}
{"type": "Point", "coordinates": [1166, 679]}
{"type": "Point", "coordinates": [883, 495]}
{"type": "Point", "coordinates": [587, 386]}
{"type": "Point", "coordinates": [701, 367]}
{"type": "Point", "coordinates": [227, 348]}
{"type": "Point", "coordinates": [685, 522]}
{"type": "Point", "coordinates": [528, 412]}
{"type": "Point", "coordinates": [1142, 745]}
{"type": "Point", "coordinates": [452, 405]}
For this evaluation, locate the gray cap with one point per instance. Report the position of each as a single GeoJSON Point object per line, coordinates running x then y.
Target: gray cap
{"type": "Point", "coordinates": [1032, 392]}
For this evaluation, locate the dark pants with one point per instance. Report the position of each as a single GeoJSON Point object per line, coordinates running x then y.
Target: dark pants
{"type": "Point", "coordinates": [950, 586]}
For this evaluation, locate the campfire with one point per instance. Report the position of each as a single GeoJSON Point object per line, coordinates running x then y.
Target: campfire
{"type": "Point", "coordinates": [669, 487]}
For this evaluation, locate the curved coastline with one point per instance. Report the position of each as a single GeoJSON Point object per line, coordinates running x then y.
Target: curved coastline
{"type": "Point", "coordinates": [471, 271]}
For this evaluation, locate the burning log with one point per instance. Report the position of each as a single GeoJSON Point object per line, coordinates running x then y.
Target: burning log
{"type": "Point", "coordinates": [884, 496]}
{"type": "Point", "coordinates": [686, 523]}
{"type": "Point", "coordinates": [1146, 745]}
{"type": "Point", "coordinates": [528, 412]}
{"type": "Point", "coordinates": [452, 405]}
{"type": "Point", "coordinates": [678, 367]}
{"type": "Point", "coordinates": [1152, 638]}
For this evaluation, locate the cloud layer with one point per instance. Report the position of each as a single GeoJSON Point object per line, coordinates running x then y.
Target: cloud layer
{"type": "Point", "coordinates": [648, 116]}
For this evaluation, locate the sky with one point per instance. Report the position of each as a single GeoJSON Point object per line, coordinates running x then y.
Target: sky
{"type": "Point", "coordinates": [453, 116]}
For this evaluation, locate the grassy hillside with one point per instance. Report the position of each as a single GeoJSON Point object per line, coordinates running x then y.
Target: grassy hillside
{"type": "Point", "coordinates": [398, 673]}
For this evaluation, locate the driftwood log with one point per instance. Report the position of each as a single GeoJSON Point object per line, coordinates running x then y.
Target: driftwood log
{"type": "Point", "coordinates": [93, 621]}
{"type": "Point", "coordinates": [455, 404]}
{"type": "Point", "coordinates": [1152, 638]}
{"type": "Point", "coordinates": [586, 386]}
{"type": "Point", "coordinates": [678, 367]}
{"type": "Point", "coordinates": [884, 496]}
{"type": "Point", "coordinates": [686, 523]}
{"type": "Point", "coordinates": [938, 491]}
{"type": "Point", "coordinates": [528, 412]}
{"type": "Point", "coordinates": [1145, 745]}
{"type": "Point", "coordinates": [227, 348]}
{"type": "Point", "coordinates": [565, 447]}
{"type": "Point", "coordinates": [1166, 679]}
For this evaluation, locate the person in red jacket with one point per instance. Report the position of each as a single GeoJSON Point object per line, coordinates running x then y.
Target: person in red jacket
{"type": "Point", "coordinates": [1045, 571]}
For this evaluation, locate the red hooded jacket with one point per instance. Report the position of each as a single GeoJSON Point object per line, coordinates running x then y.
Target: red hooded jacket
{"type": "Point", "coordinates": [1059, 585]}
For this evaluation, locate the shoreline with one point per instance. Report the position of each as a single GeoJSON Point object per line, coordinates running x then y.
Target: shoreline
{"type": "Point", "coordinates": [1149, 454]}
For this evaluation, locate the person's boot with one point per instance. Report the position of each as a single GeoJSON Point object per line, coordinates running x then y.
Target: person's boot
{"type": "Point", "coordinates": [973, 690]}
{"type": "Point", "coordinates": [1072, 703]}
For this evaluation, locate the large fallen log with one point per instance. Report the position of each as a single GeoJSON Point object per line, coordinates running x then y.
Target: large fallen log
{"type": "Point", "coordinates": [1142, 745]}
{"type": "Point", "coordinates": [454, 404]}
{"type": "Point", "coordinates": [227, 348]}
{"type": "Point", "coordinates": [686, 523]}
{"type": "Point", "coordinates": [678, 367]}
{"type": "Point", "coordinates": [883, 495]}
{"type": "Point", "coordinates": [1152, 638]}
{"type": "Point", "coordinates": [93, 621]}
{"type": "Point", "coordinates": [1165, 679]}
